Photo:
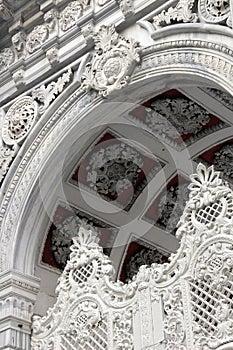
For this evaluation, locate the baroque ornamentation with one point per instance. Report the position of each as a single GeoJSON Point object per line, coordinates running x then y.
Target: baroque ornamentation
{"type": "Point", "coordinates": [171, 206]}
{"type": "Point", "coordinates": [146, 256]}
{"type": "Point", "coordinates": [18, 120]}
{"type": "Point", "coordinates": [46, 94]}
{"type": "Point", "coordinates": [210, 11]}
{"type": "Point", "coordinates": [123, 332]}
{"type": "Point", "coordinates": [223, 160]}
{"type": "Point", "coordinates": [7, 153]}
{"type": "Point", "coordinates": [221, 96]}
{"type": "Point", "coordinates": [19, 43]}
{"type": "Point", "coordinates": [192, 294]}
{"type": "Point", "coordinates": [174, 328]}
{"type": "Point", "coordinates": [6, 58]}
{"type": "Point", "coordinates": [113, 169]}
{"type": "Point", "coordinates": [63, 235]}
{"type": "Point", "coordinates": [71, 13]}
{"type": "Point", "coordinates": [182, 12]}
{"type": "Point", "coordinates": [112, 63]}
{"type": "Point", "coordinates": [211, 295]}
{"type": "Point", "coordinates": [185, 115]}
{"type": "Point", "coordinates": [127, 7]}
{"type": "Point", "coordinates": [215, 11]}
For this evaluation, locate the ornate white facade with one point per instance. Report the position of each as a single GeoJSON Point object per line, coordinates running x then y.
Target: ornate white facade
{"type": "Point", "coordinates": [106, 108]}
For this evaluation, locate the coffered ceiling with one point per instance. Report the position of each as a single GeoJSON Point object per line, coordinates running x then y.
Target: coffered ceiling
{"type": "Point", "coordinates": [130, 179]}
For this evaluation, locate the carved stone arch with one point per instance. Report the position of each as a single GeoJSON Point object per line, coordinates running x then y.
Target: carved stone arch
{"type": "Point", "coordinates": [157, 62]}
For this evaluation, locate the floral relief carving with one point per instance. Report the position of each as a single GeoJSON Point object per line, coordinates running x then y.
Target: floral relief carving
{"type": "Point", "coordinates": [193, 292]}
{"type": "Point", "coordinates": [7, 153]}
{"type": "Point", "coordinates": [223, 160]}
{"type": "Point", "coordinates": [46, 94]}
{"type": "Point", "coordinates": [182, 12]}
{"type": "Point", "coordinates": [113, 61]}
{"type": "Point", "coordinates": [184, 114]}
{"type": "Point", "coordinates": [41, 33]}
{"type": "Point", "coordinates": [173, 319]}
{"type": "Point", "coordinates": [70, 14]}
{"type": "Point", "coordinates": [15, 125]}
{"type": "Point", "coordinates": [6, 58]}
{"type": "Point", "coordinates": [18, 120]}
{"type": "Point", "coordinates": [221, 96]}
{"type": "Point", "coordinates": [146, 256]}
{"type": "Point", "coordinates": [122, 327]}
{"type": "Point", "coordinates": [113, 169]}
{"type": "Point", "coordinates": [215, 11]}
{"type": "Point", "coordinates": [171, 206]}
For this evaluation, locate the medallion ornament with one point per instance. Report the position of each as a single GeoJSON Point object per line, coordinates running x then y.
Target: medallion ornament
{"type": "Point", "coordinates": [112, 63]}
{"type": "Point", "coordinates": [18, 120]}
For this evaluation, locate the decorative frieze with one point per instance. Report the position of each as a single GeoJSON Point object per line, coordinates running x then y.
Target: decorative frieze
{"type": "Point", "coordinates": [55, 24]}
{"type": "Point", "coordinates": [186, 11]}
{"type": "Point", "coordinates": [113, 61]}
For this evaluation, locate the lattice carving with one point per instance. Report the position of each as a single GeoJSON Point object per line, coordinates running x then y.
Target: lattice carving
{"type": "Point", "coordinates": [184, 304]}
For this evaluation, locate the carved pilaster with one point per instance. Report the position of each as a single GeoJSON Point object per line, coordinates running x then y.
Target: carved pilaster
{"type": "Point", "coordinates": [17, 297]}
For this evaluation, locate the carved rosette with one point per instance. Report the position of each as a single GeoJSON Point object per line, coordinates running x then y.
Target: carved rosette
{"type": "Point", "coordinates": [19, 120]}
{"type": "Point", "coordinates": [15, 126]}
{"type": "Point", "coordinates": [215, 11]}
{"type": "Point", "coordinates": [112, 63]}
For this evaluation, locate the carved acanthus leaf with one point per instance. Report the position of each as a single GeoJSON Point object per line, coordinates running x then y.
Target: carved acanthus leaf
{"type": "Point", "coordinates": [46, 94]}
{"type": "Point", "coordinates": [182, 12]}
{"type": "Point", "coordinates": [113, 61]}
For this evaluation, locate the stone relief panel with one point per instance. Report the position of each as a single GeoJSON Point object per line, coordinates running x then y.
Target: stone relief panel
{"type": "Point", "coordinates": [221, 156]}
{"type": "Point", "coordinates": [23, 114]}
{"type": "Point", "coordinates": [176, 119]}
{"type": "Point", "coordinates": [115, 171]}
{"type": "Point", "coordinates": [66, 221]}
{"type": "Point", "coordinates": [209, 11]}
{"type": "Point", "coordinates": [166, 210]}
{"type": "Point", "coordinates": [113, 61]}
{"type": "Point", "coordinates": [15, 126]}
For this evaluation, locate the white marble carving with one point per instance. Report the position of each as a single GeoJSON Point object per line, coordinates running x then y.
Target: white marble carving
{"type": "Point", "coordinates": [191, 295]}
{"type": "Point", "coordinates": [112, 63]}
{"type": "Point", "coordinates": [46, 94]}
{"type": "Point", "coordinates": [18, 120]}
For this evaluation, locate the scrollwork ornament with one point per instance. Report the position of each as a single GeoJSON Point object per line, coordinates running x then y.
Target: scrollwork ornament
{"type": "Point", "coordinates": [214, 11]}
{"type": "Point", "coordinates": [112, 63]}
{"type": "Point", "coordinates": [18, 120]}
{"type": "Point", "coordinates": [182, 12]}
